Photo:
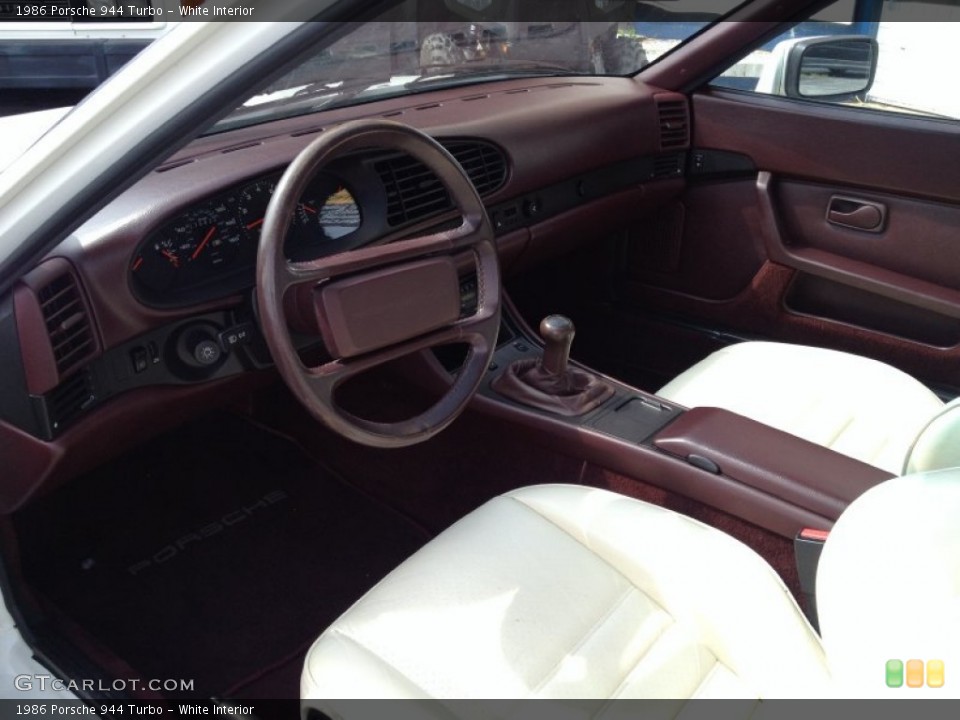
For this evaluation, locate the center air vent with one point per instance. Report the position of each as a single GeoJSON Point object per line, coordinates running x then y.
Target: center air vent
{"type": "Point", "coordinates": [674, 124]}
{"type": "Point", "coordinates": [414, 192]}
{"type": "Point", "coordinates": [68, 325]}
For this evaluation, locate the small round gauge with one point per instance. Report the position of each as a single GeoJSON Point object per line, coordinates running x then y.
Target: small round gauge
{"type": "Point", "coordinates": [156, 265]}
{"type": "Point", "coordinates": [326, 213]}
{"type": "Point", "coordinates": [339, 214]}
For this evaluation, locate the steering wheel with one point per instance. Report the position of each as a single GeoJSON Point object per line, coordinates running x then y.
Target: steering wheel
{"type": "Point", "coordinates": [383, 301]}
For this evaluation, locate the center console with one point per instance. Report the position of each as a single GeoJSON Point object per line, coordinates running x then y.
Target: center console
{"type": "Point", "coordinates": [752, 471]}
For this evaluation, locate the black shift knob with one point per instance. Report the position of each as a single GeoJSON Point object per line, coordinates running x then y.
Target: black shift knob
{"type": "Point", "coordinates": [557, 332]}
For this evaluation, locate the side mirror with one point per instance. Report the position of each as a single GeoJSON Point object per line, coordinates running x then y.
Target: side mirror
{"type": "Point", "coordinates": [825, 68]}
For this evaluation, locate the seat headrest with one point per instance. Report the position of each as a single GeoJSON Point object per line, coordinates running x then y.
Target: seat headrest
{"type": "Point", "coordinates": [888, 585]}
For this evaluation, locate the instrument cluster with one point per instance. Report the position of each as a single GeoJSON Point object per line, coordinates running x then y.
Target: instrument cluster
{"type": "Point", "coordinates": [211, 249]}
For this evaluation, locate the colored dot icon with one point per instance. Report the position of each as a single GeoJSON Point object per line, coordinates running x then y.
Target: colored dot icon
{"type": "Point", "coordinates": [912, 673]}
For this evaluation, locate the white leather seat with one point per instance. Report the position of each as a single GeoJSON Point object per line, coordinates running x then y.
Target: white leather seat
{"type": "Point", "coordinates": [854, 405]}
{"type": "Point", "coordinates": [562, 591]}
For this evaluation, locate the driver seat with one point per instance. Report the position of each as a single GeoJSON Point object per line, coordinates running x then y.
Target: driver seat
{"type": "Point", "coordinates": [562, 591]}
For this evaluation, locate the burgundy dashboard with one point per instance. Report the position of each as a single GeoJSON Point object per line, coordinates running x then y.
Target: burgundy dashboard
{"type": "Point", "coordinates": [149, 302]}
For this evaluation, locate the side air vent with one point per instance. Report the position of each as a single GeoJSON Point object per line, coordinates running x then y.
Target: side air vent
{"type": "Point", "coordinates": [68, 400]}
{"type": "Point", "coordinates": [414, 192]}
{"type": "Point", "coordinates": [674, 124]}
{"type": "Point", "coordinates": [667, 166]}
{"type": "Point", "coordinates": [68, 325]}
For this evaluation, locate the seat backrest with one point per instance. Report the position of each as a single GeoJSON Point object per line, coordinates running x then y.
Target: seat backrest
{"type": "Point", "coordinates": [888, 588]}
{"type": "Point", "coordinates": [938, 445]}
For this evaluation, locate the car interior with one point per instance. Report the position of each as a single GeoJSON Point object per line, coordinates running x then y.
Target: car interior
{"type": "Point", "coordinates": [638, 338]}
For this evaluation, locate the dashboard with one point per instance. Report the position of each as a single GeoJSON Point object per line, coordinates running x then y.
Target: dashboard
{"type": "Point", "coordinates": [147, 309]}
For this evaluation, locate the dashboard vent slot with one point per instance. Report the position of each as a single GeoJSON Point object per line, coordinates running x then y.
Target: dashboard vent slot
{"type": "Point", "coordinates": [68, 324]}
{"type": "Point", "coordinates": [414, 192]}
{"type": "Point", "coordinates": [68, 400]}
{"type": "Point", "coordinates": [674, 124]}
{"type": "Point", "coordinates": [485, 165]}
{"type": "Point", "coordinates": [667, 166]}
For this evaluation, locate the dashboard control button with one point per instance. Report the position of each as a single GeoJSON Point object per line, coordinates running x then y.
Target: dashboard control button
{"type": "Point", "coordinates": [139, 360]}
{"type": "Point", "coordinates": [207, 352]}
{"type": "Point", "coordinates": [237, 335]}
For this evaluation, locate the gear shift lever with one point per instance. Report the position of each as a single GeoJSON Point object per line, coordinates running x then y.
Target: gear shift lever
{"type": "Point", "coordinates": [557, 332]}
{"type": "Point", "coordinates": [550, 383]}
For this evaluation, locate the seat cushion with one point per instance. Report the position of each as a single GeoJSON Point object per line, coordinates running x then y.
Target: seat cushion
{"type": "Point", "coordinates": [854, 405]}
{"type": "Point", "coordinates": [561, 591]}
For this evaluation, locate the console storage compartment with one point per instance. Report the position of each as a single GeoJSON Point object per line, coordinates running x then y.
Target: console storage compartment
{"type": "Point", "coordinates": [777, 464]}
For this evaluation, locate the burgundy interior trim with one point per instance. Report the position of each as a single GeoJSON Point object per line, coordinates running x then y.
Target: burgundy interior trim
{"type": "Point", "coordinates": [760, 310]}
{"type": "Point", "coordinates": [596, 219]}
{"type": "Point", "coordinates": [856, 273]}
{"type": "Point", "coordinates": [585, 118]}
{"type": "Point", "coordinates": [834, 144]}
{"type": "Point", "coordinates": [706, 243]}
{"type": "Point", "coordinates": [777, 463]}
{"type": "Point", "coordinates": [32, 465]}
{"type": "Point", "coordinates": [39, 365]}
{"type": "Point", "coordinates": [661, 470]}
{"type": "Point", "coordinates": [918, 238]}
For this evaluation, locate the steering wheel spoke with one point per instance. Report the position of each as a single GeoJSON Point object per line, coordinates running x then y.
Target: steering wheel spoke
{"type": "Point", "coordinates": [312, 272]}
{"type": "Point", "coordinates": [383, 301]}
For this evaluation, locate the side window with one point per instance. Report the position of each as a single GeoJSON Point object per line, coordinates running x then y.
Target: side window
{"type": "Point", "coordinates": [888, 55]}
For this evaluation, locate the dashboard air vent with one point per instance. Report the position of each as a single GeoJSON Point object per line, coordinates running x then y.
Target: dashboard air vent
{"type": "Point", "coordinates": [68, 325]}
{"type": "Point", "coordinates": [667, 166]}
{"type": "Point", "coordinates": [674, 124]}
{"type": "Point", "coordinates": [414, 192]}
{"type": "Point", "coordinates": [484, 164]}
{"type": "Point", "coordinates": [68, 400]}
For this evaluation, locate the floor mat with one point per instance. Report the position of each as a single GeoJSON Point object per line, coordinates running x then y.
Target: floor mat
{"type": "Point", "coordinates": [213, 554]}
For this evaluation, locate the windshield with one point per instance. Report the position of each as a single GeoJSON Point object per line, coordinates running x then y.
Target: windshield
{"type": "Point", "coordinates": [463, 42]}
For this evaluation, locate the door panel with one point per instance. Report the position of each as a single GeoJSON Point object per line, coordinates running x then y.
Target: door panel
{"type": "Point", "coordinates": [890, 291]}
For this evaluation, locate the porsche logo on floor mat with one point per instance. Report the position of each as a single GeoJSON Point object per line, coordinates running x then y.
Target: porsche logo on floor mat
{"type": "Point", "coordinates": [216, 527]}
